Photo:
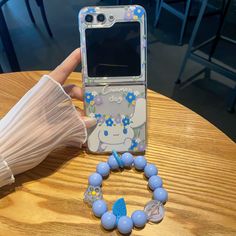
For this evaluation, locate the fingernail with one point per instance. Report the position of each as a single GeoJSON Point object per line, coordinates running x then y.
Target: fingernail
{"type": "Point", "coordinates": [89, 122]}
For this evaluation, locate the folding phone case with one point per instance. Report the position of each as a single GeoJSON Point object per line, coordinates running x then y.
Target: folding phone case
{"type": "Point", "coordinates": [118, 103]}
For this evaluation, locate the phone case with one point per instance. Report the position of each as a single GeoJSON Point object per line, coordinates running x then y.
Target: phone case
{"type": "Point", "coordinates": [118, 103]}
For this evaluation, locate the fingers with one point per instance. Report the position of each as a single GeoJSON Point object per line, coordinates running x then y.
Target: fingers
{"type": "Point", "coordinates": [61, 73]}
{"type": "Point", "coordinates": [81, 112]}
{"type": "Point", "coordinates": [74, 91]}
{"type": "Point", "coordinates": [89, 122]}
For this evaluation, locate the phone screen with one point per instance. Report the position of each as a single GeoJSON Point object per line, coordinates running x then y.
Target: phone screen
{"type": "Point", "coordinates": [114, 51]}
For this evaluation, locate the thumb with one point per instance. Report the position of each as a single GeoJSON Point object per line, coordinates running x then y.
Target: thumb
{"type": "Point", "coordinates": [89, 122]}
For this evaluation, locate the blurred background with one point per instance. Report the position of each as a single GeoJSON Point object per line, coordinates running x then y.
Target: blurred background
{"type": "Point", "coordinates": [28, 43]}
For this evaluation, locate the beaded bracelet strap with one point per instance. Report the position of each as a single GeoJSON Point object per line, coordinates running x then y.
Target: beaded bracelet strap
{"type": "Point", "coordinates": [154, 209]}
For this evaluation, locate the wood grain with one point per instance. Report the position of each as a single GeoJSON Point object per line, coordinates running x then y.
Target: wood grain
{"type": "Point", "coordinates": [196, 160]}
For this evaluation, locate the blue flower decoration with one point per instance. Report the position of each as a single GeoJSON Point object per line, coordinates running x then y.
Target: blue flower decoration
{"type": "Point", "coordinates": [98, 116]}
{"type": "Point", "coordinates": [139, 11]}
{"type": "Point", "coordinates": [109, 122]}
{"type": "Point", "coordinates": [126, 121]}
{"type": "Point", "coordinates": [134, 144]}
{"type": "Point", "coordinates": [130, 97]}
{"type": "Point", "coordinates": [89, 97]}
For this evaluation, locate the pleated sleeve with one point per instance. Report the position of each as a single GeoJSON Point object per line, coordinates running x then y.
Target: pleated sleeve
{"type": "Point", "coordinates": [44, 119]}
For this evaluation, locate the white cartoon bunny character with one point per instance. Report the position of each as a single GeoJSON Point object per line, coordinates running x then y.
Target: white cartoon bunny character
{"type": "Point", "coordinates": [109, 135]}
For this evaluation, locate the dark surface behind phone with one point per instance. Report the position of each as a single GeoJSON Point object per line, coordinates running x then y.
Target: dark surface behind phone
{"type": "Point", "coordinates": [115, 51]}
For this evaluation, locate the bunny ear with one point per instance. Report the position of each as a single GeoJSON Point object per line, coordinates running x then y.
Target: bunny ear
{"type": "Point", "coordinates": [139, 116]}
{"type": "Point", "coordinates": [93, 140]}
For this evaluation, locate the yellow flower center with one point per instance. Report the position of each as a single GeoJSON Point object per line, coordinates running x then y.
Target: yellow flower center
{"type": "Point", "coordinates": [93, 193]}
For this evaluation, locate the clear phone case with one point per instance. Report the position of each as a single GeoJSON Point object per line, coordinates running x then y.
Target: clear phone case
{"type": "Point", "coordinates": [118, 103]}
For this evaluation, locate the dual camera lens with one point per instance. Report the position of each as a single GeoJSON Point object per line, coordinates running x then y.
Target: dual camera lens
{"type": "Point", "coordinates": [100, 18]}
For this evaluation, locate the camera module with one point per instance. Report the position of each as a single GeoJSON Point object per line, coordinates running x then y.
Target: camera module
{"type": "Point", "coordinates": [100, 18]}
{"type": "Point", "coordinates": [89, 18]}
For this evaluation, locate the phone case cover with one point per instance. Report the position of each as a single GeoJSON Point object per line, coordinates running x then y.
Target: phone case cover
{"type": "Point", "coordinates": [118, 103]}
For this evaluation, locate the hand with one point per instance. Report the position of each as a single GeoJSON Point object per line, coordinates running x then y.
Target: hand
{"type": "Point", "coordinates": [61, 73]}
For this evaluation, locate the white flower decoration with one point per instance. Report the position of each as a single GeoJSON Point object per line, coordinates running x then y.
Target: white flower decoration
{"type": "Point", "coordinates": [94, 93]}
{"type": "Point", "coordinates": [92, 115]}
{"type": "Point", "coordinates": [136, 93]}
{"type": "Point", "coordinates": [92, 194]}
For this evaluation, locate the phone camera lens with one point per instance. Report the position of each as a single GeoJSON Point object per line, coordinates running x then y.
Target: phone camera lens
{"type": "Point", "coordinates": [111, 18]}
{"type": "Point", "coordinates": [100, 18]}
{"type": "Point", "coordinates": [89, 18]}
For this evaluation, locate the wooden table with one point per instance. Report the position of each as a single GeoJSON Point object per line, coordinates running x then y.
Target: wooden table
{"type": "Point", "coordinates": [196, 160]}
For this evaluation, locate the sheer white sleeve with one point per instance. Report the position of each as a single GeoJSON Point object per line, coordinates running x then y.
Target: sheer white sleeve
{"type": "Point", "coordinates": [43, 120]}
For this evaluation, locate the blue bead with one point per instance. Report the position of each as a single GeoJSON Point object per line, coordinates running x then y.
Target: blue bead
{"type": "Point", "coordinates": [112, 163]}
{"type": "Point", "coordinates": [127, 159]}
{"type": "Point", "coordinates": [95, 179]}
{"type": "Point", "coordinates": [139, 218]}
{"type": "Point", "coordinates": [108, 220]}
{"type": "Point", "coordinates": [160, 194]}
{"type": "Point", "coordinates": [155, 182]}
{"type": "Point", "coordinates": [150, 170]}
{"type": "Point", "coordinates": [140, 162]}
{"type": "Point", "coordinates": [103, 169]}
{"type": "Point", "coordinates": [99, 208]}
{"type": "Point", "coordinates": [125, 225]}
